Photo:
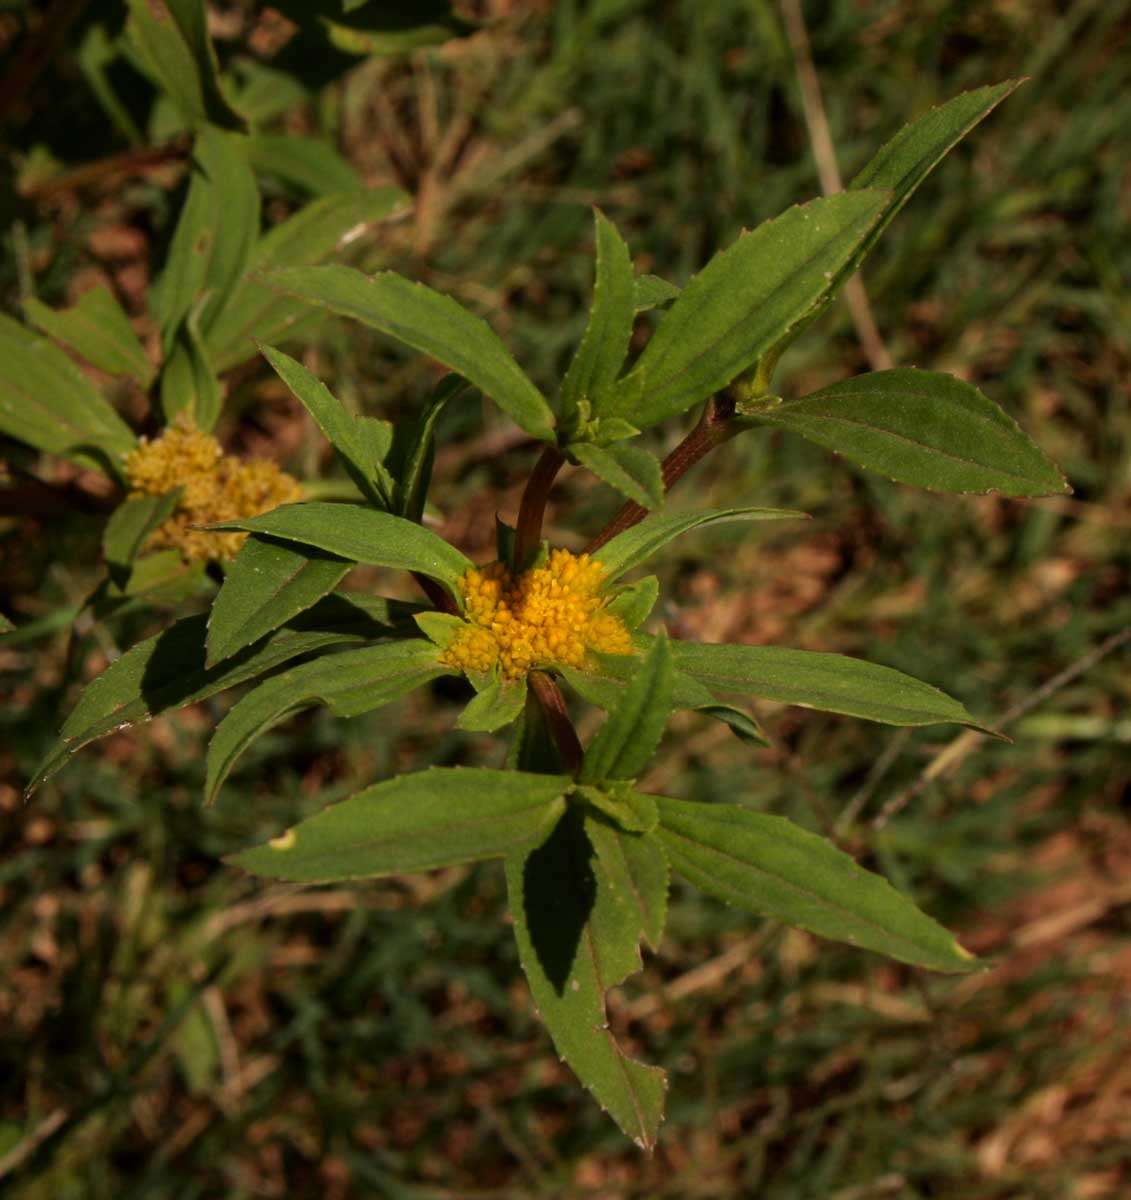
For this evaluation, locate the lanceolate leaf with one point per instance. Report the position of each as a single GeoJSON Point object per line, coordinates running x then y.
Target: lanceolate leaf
{"type": "Point", "coordinates": [636, 545]}
{"type": "Point", "coordinates": [180, 59]}
{"type": "Point", "coordinates": [412, 456]}
{"type": "Point", "coordinates": [638, 868]}
{"type": "Point", "coordinates": [168, 671]}
{"type": "Point", "coordinates": [603, 684]}
{"type": "Point", "coordinates": [188, 381]}
{"type": "Point", "coordinates": [417, 822]}
{"type": "Point", "coordinates": [46, 401]}
{"type": "Point", "coordinates": [578, 928]}
{"type": "Point", "coordinates": [362, 535]}
{"type": "Point", "coordinates": [922, 428]}
{"type": "Point", "coordinates": [215, 235]}
{"type": "Point", "coordinates": [309, 164]}
{"type": "Point", "coordinates": [496, 706]}
{"type": "Point", "coordinates": [268, 583]}
{"type": "Point", "coordinates": [630, 469]}
{"type": "Point", "coordinates": [432, 323]}
{"type": "Point", "coordinates": [903, 163]}
{"type": "Point", "coordinates": [624, 745]}
{"type": "Point", "coordinates": [339, 426]}
{"type": "Point", "coordinates": [830, 682]}
{"type": "Point", "coordinates": [350, 682]}
{"type": "Point", "coordinates": [747, 298]}
{"type": "Point", "coordinates": [322, 228]}
{"type": "Point", "coordinates": [769, 866]}
{"type": "Point", "coordinates": [100, 331]}
{"type": "Point", "coordinates": [128, 527]}
{"type": "Point", "coordinates": [603, 347]}
{"type": "Point", "coordinates": [192, 21]}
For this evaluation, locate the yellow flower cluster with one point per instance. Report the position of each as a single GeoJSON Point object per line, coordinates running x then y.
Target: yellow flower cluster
{"type": "Point", "coordinates": [552, 614]}
{"type": "Point", "coordinates": [215, 487]}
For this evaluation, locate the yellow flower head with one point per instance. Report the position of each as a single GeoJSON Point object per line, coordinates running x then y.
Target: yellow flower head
{"type": "Point", "coordinates": [551, 615]}
{"type": "Point", "coordinates": [214, 487]}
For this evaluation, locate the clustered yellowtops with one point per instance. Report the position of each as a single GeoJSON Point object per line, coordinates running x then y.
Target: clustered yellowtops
{"type": "Point", "coordinates": [215, 487]}
{"type": "Point", "coordinates": [551, 614]}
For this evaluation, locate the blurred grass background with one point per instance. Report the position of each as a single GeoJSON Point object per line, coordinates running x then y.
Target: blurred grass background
{"type": "Point", "coordinates": [170, 1028]}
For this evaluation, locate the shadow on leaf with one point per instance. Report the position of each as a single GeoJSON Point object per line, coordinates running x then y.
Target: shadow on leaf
{"type": "Point", "coordinates": [559, 890]}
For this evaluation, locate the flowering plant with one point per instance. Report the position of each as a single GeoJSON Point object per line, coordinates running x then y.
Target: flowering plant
{"type": "Point", "coordinates": [587, 853]}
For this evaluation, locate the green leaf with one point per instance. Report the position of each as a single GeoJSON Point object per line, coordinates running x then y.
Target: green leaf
{"type": "Point", "coordinates": [418, 822]}
{"type": "Point", "coordinates": [363, 535]}
{"type": "Point", "coordinates": [181, 61]}
{"type": "Point", "coordinates": [604, 345]}
{"type": "Point", "coordinates": [439, 628]}
{"type": "Point", "coordinates": [188, 381]}
{"type": "Point", "coordinates": [604, 684]}
{"type": "Point", "coordinates": [338, 425]}
{"type": "Point", "coordinates": [768, 866]}
{"type": "Point", "coordinates": [95, 55]}
{"type": "Point", "coordinates": [746, 299]}
{"type": "Point", "coordinates": [158, 580]}
{"type": "Point", "coordinates": [215, 235]}
{"type": "Point", "coordinates": [6, 625]}
{"type": "Point", "coordinates": [496, 706]}
{"type": "Point", "coordinates": [624, 745]}
{"type": "Point", "coordinates": [389, 29]}
{"type": "Point", "coordinates": [168, 671]}
{"type": "Point", "coordinates": [350, 682]}
{"type": "Point", "coordinates": [829, 682]}
{"type": "Point", "coordinates": [636, 545]}
{"type": "Point", "coordinates": [637, 867]}
{"type": "Point", "coordinates": [431, 323]}
{"type": "Point", "coordinates": [46, 401]}
{"type": "Point", "coordinates": [98, 329]}
{"type": "Point", "coordinates": [267, 584]}
{"type": "Point", "coordinates": [922, 428]}
{"type": "Point", "coordinates": [740, 722]}
{"type": "Point", "coordinates": [634, 602]}
{"type": "Point", "coordinates": [578, 925]}
{"type": "Point", "coordinates": [628, 809]}
{"type": "Point", "coordinates": [650, 291]}
{"type": "Point", "coordinates": [309, 164]}
{"type": "Point", "coordinates": [129, 526]}
{"type": "Point", "coordinates": [631, 470]}
{"type": "Point", "coordinates": [413, 453]}
{"type": "Point", "coordinates": [901, 164]}
{"type": "Point", "coordinates": [321, 229]}
{"type": "Point", "coordinates": [191, 18]}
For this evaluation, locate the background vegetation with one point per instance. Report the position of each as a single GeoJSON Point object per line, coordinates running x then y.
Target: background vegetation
{"type": "Point", "coordinates": [172, 1028]}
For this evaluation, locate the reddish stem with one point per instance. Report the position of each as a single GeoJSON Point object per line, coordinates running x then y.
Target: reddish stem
{"type": "Point", "coordinates": [716, 427]}
{"type": "Point", "coordinates": [552, 702]}
{"type": "Point", "coordinates": [435, 592]}
{"type": "Point", "coordinates": [533, 507]}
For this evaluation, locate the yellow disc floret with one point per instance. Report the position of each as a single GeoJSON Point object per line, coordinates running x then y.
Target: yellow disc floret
{"type": "Point", "coordinates": [551, 615]}
{"type": "Point", "coordinates": [214, 487]}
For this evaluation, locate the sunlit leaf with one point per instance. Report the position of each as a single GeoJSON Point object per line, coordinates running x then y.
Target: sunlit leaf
{"type": "Point", "coordinates": [416, 822]}
{"type": "Point", "coordinates": [769, 866]}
